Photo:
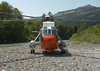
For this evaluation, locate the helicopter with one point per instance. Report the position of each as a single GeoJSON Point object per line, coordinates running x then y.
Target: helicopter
{"type": "Point", "coordinates": [48, 34]}
{"type": "Point", "coordinates": [48, 37]}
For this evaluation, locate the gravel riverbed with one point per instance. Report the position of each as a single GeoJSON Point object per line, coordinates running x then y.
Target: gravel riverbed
{"type": "Point", "coordinates": [78, 57]}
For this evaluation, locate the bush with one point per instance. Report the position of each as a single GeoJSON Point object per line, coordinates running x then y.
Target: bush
{"type": "Point", "coordinates": [90, 35]}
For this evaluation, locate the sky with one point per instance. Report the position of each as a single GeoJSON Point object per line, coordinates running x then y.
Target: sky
{"type": "Point", "coordinates": [38, 7]}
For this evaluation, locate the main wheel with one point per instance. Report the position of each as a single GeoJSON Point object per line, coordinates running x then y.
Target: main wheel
{"type": "Point", "coordinates": [63, 51]}
{"type": "Point", "coordinates": [32, 51]}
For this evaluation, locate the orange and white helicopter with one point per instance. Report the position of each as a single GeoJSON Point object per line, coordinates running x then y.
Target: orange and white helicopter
{"type": "Point", "coordinates": [48, 36]}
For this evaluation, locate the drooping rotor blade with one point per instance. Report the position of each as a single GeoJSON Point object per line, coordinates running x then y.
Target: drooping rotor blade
{"type": "Point", "coordinates": [77, 20]}
{"type": "Point", "coordinates": [18, 15]}
{"type": "Point", "coordinates": [78, 12]}
{"type": "Point", "coordinates": [35, 31]}
{"type": "Point", "coordinates": [11, 20]}
{"type": "Point", "coordinates": [16, 20]}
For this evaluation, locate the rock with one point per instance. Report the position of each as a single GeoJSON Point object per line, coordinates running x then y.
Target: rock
{"type": "Point", "coordinates": [87, 64]}
{"type": "Point", "coordinates": [98, 67]}
{"type": "Point", "coordinates": [16, 59]}
{"type": "Point", "coordinates": [78, 68]}
{"type": "Point", "coordinates": [4, 64]}
{"type": "Point", "coordinates": [84, 69]}
{"type": "Point", "coordinates": [9, 66]}
{"type": "Point", "coordinates": [60, 61]}
{"type": "Point", "coordinates": [0, 65]}
{"type": "Point", "coordinates": [52, 69]}
{"type": "Point", "coordinates": [74, 58]}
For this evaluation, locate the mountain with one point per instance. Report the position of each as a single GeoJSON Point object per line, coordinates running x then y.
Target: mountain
{"type": "Point", "coordinates": [79, 17]}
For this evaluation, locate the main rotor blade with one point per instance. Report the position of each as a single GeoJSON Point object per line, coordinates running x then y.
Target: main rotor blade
{"type": "Point", "coordinates": [78, 12]}
{"type": "Point", "coordinates": [11, 20]}
{"type": "Point", "coordinates": [56, 19]}
{"type": "Point", "coordinates": [15, 20]}
{"type": "Point", "coordinates": [77, 20]}
{"type": "Point", "coordinates": [17, 15]}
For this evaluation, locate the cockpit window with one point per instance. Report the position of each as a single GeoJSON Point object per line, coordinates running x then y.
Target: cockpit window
{"type": "Point", "coordinates": [44, 32]}
{"type": "Point", "coordinates": [54, 32]}
{"type": "Point", "coordinates": [49, 31]}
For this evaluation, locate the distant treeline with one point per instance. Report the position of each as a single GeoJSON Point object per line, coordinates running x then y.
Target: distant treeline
{"type": "Point", "coordinates": [12, 32]}
{"type": "Point", "coordinates": [67, 31]}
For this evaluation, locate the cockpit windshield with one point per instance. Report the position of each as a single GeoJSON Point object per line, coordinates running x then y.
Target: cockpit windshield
{"type": "Point", "coordinates": [49, 32]}
{"type": "Point", "coordinates": [54, 32]}
{"type": "Point", "coordinates": [44, 32]}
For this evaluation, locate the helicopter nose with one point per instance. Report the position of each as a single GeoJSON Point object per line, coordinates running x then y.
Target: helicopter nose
{"type": "Point", "coordinates": [49, 42]}
{"type": "Point", "coordinates": [49, 39]}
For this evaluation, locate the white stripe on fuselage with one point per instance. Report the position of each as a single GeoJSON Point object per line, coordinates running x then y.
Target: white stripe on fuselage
{"type": "Point", "coordinates": [49, 27]}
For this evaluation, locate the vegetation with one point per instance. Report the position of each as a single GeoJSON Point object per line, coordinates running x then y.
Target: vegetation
{"type": "Point", "coordinates": [20, 31]}
{"type": "Point", "coordinates": [32, 26]}
{"type": "Point", "coordinates": [11, 31]}
{"type": "Point", "coordinates": [89, 35]}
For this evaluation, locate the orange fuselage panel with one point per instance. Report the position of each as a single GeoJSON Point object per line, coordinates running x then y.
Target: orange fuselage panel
{"type": "Point", "coordinates": [49, 43]}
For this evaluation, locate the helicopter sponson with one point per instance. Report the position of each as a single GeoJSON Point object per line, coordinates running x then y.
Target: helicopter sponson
{"type": "Point", "coordinates": [62, 44]}
{"type": "Point", "coordinates": [32, 44]}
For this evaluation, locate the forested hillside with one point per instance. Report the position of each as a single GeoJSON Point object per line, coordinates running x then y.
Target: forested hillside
{"type": "Point", "coordinates": [93, 15]}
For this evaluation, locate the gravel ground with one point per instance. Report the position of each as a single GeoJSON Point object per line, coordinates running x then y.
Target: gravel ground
{"type": "Point", "coordinates": [78, 57]}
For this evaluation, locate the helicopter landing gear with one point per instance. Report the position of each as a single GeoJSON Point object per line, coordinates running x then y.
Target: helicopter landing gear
{"type": "Point", "coordinates": [63, 51]}
{"type": "Point", "coordinates": [48, 51]}
{"type": "Point", "coordinates": [32, 51]}
{"type": "Point", "coordinates": [61, 45]}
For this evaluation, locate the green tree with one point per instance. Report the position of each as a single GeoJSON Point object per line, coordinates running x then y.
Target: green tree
{"type": "Point", "coordinates": [83, 26]}
{"type": "Point", "coordinates": [75, 28]}
{"type": "Point", "coordinates": [11, 31]}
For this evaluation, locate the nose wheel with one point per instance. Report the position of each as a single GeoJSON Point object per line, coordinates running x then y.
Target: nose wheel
{"type": "Point", "coordinates": [62, 51]}
{"type": "Point", "coordinates": [32, 51]}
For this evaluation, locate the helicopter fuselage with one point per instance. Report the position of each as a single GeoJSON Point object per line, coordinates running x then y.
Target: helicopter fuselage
{"type": "Point", "coordinates": [48, 36]}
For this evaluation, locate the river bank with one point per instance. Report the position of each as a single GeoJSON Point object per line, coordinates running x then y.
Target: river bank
{"type": "Point", "coordinates": [78, 57]}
